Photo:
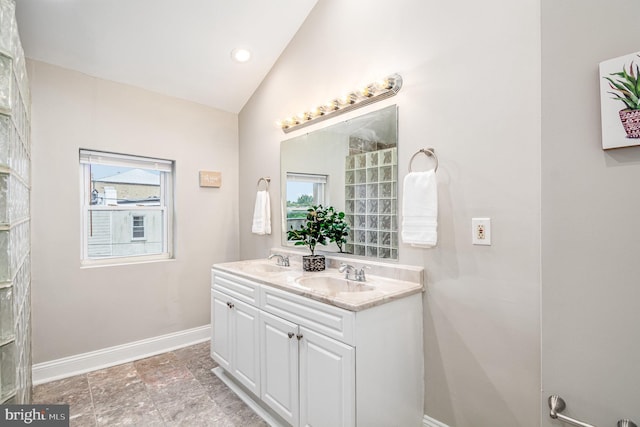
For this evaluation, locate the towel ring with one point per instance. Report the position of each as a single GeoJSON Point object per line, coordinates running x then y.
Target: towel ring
{"type": "Point", "coordinates": [266, 181]}
{"type": "Point", "coordinates": [430, 152]}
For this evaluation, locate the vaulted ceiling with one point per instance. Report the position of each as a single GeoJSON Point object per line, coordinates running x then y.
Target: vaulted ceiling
{"type": "Point", "coordinates": [178, 48]}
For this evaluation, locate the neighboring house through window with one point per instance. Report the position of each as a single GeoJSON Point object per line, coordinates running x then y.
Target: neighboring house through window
{"type": "Point", "coordinates": [127, 208]}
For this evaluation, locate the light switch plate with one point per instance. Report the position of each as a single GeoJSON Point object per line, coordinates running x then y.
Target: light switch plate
{"type": "Point", "coordinates": [481, 231]}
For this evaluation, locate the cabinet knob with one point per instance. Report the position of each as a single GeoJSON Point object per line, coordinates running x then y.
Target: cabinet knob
{"type": "Point", "coordinates": [291, 334]}
{"type": "Point", "coordinates": [230, 304]}
{"type": "Point", "coordinates": [299, 336]}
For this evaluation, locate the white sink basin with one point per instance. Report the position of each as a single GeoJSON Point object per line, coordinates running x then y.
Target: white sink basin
{"type": "Point", "coordinates": [333, 284]}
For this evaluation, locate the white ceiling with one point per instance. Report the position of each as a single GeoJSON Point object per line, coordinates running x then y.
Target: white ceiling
{"type": "Point", "coordinates": [178, 48]}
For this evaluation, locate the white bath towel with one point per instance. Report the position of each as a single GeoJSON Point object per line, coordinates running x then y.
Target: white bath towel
{"type": "Point", "coordinates": [420, 209]}
{"type": "Point", "coordinates": [262, 214]}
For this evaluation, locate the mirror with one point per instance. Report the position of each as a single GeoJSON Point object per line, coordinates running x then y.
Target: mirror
{"type": "Point", "coordinates": [351, 166]}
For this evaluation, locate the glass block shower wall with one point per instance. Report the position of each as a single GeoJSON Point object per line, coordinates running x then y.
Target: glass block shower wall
{"type": "Point", "coordinates": [370, 203]}
{"type": "Point", "coordinates": [15, 246]}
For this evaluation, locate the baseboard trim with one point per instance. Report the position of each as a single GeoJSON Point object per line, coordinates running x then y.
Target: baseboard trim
{"type": "Point", "coordinates": [427, 421]}
{"type": "Point", "coordinates": [111, 356]}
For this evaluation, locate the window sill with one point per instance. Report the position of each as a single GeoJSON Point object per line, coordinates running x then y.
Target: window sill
{"type": "Point", "coordinates": [117, 262]}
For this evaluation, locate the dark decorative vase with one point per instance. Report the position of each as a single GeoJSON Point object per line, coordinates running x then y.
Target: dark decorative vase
{"type": "Point", "coordinates": [631, 122]}
{"type": "Point", "coordinates": [313, 263]}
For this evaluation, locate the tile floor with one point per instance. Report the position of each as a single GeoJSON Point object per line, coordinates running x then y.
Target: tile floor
{"type": "Point", "coordinates": [171, 389]}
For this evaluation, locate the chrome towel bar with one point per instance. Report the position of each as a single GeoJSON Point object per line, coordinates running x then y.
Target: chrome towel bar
{"type": "Point", "coordinates": [266, 180]}
{"type": "Point", "coordinates": [557, 405]}
{"type": "Point", "coordinates": [430, 152]}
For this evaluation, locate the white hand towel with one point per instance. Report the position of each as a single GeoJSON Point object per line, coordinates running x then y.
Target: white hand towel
{"type": "Point", "coordinates": [420, 209]}
{"type": "Point", "coordinates": [262, 214]}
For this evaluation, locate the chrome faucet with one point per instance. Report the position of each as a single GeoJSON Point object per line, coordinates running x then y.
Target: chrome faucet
{"type": "Point", "coordinates": [346, 269]}
{"type": "Point", "coordinates": [358, 275]}
{"type": "Point", "coordinates": [280, 259]}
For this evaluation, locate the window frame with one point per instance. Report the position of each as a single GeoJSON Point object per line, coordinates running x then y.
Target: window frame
{"type": "Point", "coordinates": [166, 207]}
{"type": "Point", "coordinates": [320, 185]}
{"type": "Point", "coordinates": [320, 195]}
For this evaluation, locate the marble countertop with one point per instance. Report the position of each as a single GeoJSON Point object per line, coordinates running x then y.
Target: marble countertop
{"type": "Point", "coordinates": [376, 290]}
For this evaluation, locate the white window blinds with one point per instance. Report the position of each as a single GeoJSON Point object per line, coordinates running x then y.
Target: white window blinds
{"type": "Point", "coordinates": [305, 177]}
{"type": "Point", "coordinates": [111, 159]}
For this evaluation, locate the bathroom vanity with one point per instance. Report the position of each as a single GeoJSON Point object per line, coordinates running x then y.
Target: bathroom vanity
{"type": "Point", "coordinates": [314, 349]}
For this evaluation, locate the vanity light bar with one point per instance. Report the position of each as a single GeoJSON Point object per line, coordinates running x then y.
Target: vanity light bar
{"type": "Point", "coordinates": [369, 94]}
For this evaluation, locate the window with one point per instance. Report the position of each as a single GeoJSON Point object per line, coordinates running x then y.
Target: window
{"type": "Point", "coordinates": [137, 227]}
{"type": "Point", "coordinates": [303, 191]}
{"type": "Point", "coordinates": [127, 208]}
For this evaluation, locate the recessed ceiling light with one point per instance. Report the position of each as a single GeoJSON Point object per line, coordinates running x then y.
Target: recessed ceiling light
{"type": "Point", "coordinates": [240, 55]}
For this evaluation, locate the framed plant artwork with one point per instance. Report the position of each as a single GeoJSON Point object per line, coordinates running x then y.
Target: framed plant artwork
{"type": "Point", "coordinates": [620, 101]}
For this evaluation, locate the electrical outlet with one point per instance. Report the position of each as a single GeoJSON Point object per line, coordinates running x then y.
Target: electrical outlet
{"type": "Point", "coordinates": [481, 231]}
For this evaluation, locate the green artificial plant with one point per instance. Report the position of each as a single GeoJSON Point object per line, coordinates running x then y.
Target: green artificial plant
{"type": "Point", "coordinates": [627, 86]}
{"type": "Point", "coordinates": [337, 227]}
{"type": "Point", "coordinates": [323, 225]}
{"type": "Point", "coordinates": [313, 232]}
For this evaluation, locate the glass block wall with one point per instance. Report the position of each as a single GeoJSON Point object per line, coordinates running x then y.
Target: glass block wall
{"type": "Point", "coordinates": [370, 203]}
{"type": "Point", "coordinates": [15, 245]}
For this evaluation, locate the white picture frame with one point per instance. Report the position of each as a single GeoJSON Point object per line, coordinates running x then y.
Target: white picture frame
{"type": "Point", "coordinates": [620, 124]}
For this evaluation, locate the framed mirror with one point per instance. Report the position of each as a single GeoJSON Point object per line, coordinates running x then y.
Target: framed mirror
{"type": "Point", "coordinates": [353, 167]}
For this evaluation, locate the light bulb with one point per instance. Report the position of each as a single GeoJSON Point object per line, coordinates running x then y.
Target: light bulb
{"type": "Point", "coordinates": [366, 91]}
{"type": "Point", "coordinates": [317, 112]}
{"type": "Point", "coordinates": [347, 99]}
{"type": "Point", "coordinates": [331, 106]}
{"type": "Point", "coordinates": [303, 116]}
{"type": "Point", "coordinates": [383, 84]}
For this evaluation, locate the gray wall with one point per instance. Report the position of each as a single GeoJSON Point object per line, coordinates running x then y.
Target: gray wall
{"type": "Point", "coordinates": [590, 211]}
{"type": "Point", "coordinates": [471, 90]}
{"type": "Point", "coordinates": [76, 310]}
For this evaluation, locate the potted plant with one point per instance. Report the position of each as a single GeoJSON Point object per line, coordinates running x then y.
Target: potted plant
{"type": "Point", "coordinates": [627, 89]}
{"type": "Point", "coordinates": [323, 225]}
{"type": "Point", "coordinates": [337, 227]}
{"type": "Point", "coordinates": [310, 234]}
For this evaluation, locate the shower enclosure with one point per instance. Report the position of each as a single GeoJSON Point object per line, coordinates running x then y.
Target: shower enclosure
{"type": "Point", "coordinates": [15, 241]}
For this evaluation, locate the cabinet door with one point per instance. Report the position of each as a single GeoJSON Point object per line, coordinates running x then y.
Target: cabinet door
{"type": "Point", "coordinates": [279, 366]}
{"type": "Point", "coordinates": [221, 320]}
{"type": "Point", "coordinates": [327, 381]}
{"type": "Point", "coordinates": [246, 345]}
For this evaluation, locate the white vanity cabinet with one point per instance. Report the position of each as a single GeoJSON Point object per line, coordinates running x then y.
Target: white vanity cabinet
{"type": "Point", "coordinates": [221, 329]}
{"type": "Point", "coordinates": [306, 376]}
{"type": "Point", "coordinates": [315, 364]}
{"type": "Point", "coordinates": [279, 366]}
{"type": "Point", "coordinates": [235, 330]}
{"type": "Point", "coordinates": [327, 381]}
{"type": "Point", "coordinates": [321, 377]}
